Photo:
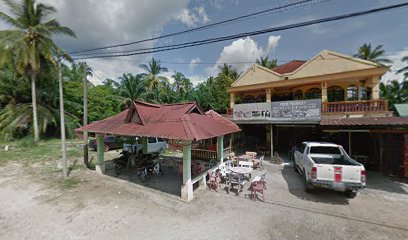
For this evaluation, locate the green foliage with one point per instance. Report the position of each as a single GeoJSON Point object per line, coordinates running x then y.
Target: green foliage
{"type": "Point", "coordinates": [102, 103]}
{"type": "Point", "coordinates": [69, 183]}
{"type": "Point", "coordinates": [367, 52]}
{"type": "Point", "coordinates": [265, 62]}
{"type": "Point", "coordinates": [395, 92]}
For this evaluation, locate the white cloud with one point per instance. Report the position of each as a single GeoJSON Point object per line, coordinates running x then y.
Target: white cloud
{"type": "Point", "coordinates": [100, 23]}
{"type": "Point", "coordinates": [243, 50]}
{"type": "Point", "coordinates": [192, 17]}
{"type": "Point", "coordinates": [397, 64]}
{"type": "Point", "coordinates": [196, 79]}
{"type": "Point", "coordinates": [273, 43]}
{"type": "Point", "coordinates": [193, 63]}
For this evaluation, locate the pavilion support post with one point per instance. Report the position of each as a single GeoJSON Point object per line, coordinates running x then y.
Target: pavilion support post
{"type": "Point", "coordinates": [220, 149]}
{"type": "Point", "coordinates": [187, 187]}
{"type": "Point", "coordinates": [100, 161]}
{"type": "Point", "coordinates": [271, 141]}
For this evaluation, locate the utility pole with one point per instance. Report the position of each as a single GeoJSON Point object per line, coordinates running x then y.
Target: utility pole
{"type": "Point", "coordinates": [85, 83]}
{"type": "Point", "coordinates": [62, 118]}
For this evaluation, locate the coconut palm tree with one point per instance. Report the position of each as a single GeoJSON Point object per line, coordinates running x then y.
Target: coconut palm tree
{"type": "Point", "coordinates": [153, 70]}
{"type": "Point", "coordinates": [30, 41]}
{"type": "Point", "coordinates": [367, 52]}
{"type": "Point", "coordinates": [178, 82]}
{"type": "Point", "coordinates": [132, 87]}
{"type": "Point", "coordinates": [265, 62]}
{"type": "Point", "coordinates": [404, 70]}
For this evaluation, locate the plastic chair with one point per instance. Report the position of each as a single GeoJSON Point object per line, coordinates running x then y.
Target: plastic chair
{"type": "Point", "coordinates": [258, 163]}
{"type": "Point", "coordinates": [214, 179]}
{"type": "Point", "coordinates": [258, 186]}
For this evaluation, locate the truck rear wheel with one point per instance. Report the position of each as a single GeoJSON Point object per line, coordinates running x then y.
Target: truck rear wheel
{"type": "Point", "coordinates": [350, 193]}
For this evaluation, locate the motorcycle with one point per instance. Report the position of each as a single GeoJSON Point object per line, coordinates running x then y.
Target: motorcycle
{"type": "Point", "coordinates": [152, 167]}
{"type": "Point", "coordinates": [121, 162]}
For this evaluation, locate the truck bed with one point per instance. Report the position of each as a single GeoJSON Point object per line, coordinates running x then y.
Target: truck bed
{"type": "Point", "coordinates": [333, 160]}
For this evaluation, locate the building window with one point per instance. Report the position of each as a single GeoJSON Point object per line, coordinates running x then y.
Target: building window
{"type": "Point", "coordinates": [335, 94]}
{"type": "Point", "coordinates": [298, 95]}
{"type": "Point", "coordinates": [248, 99]}
{"type": "Point", "coordinates": [352, 93]}
{"type": "Point", "coordinates": [364, 93]}
{"type": "Point", "coordinates": [313, 93]}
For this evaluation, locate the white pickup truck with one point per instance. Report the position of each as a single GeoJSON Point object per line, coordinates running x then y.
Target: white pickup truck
{"type": "Point", "coordinates": [327, 165]}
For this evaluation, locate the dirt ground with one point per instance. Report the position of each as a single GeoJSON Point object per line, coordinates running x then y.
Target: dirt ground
{"type": "Point", "coordinates": [34, 206]}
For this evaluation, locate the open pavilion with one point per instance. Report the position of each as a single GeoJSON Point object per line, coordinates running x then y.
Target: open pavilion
{"type": "Point", "coordinates": [186, 122]}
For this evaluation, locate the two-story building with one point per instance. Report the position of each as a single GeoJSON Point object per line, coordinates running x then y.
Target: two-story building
{"type": "Point", "coordinates": [331, 97]}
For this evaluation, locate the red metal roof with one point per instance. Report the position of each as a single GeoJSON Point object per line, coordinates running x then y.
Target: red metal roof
{"type": "Point", "coordinates": [365, 121]}
{"type": "Point", "coordinates": [183, 121]}
{"type": "Point", "coordinates": [288, 67]}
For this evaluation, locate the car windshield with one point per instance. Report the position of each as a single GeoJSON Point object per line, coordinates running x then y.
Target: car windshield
{"type": "Point", "coordinates": [325, 150]}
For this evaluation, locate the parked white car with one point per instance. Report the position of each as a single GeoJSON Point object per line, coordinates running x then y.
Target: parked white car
{"type": "Point", "coordinates": [154, 145]}
{"type": "Point", "coordinates": [328, 165]}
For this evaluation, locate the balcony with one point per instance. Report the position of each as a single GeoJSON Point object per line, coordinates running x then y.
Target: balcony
{"type": "Point", "coordinates": [360, 106]}
{"type": "Point", "coordinates": [302, 111]}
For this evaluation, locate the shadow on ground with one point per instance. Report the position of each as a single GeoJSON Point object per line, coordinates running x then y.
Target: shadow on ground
{"type": "Point", "coordinates": [295, 185]}
{"type": "Point", "coordinates": [169, 183]}
{"type": "Point", "coordinates": [378, 181]}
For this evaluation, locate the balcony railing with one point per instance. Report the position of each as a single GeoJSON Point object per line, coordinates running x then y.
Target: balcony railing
{"type": "Point", "coordinates": [355, 106]}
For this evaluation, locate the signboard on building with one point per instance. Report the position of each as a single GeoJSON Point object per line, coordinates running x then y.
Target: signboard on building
{"type": "Point", "coordinates": [285, 111]}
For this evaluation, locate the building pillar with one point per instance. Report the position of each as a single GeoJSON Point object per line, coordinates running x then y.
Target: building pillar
{"type": "Point", "coordinates": [349, 142]}
{"type": "Point", "coordinates": [232, 100]}
{"type": "Point", "coordinates": [100, 161]}
{"type": "Point", "coordinates": [187, 187]}
{"type": "Point", "coordinates": [271, 141]}
{"type": "Point", "coordinates": [268, 95]}
{"type": "Point", "coordinates": [220, 149]}
{"type": "Point", "coordinates": [324, 92]}
{"type": "Point", "coordinates": [375, 88]}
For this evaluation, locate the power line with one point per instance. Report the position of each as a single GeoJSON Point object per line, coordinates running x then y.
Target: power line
{"type": "Point", "coordinates": [246, 34]}
{"type": "Point", "coordinates": [208, 26]}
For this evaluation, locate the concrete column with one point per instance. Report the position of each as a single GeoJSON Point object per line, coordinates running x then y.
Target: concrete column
{"type": "Point", "coordinates": [375, 88]}
{"type": "Point", "coordinates": [349, 138]}
{"type": "Point", "coordinates": [187, 187]}
{"type": "Point", "coordinates": [268, 95]}
{"type": "Point", "coordinates": [145, 145]}
{"type": "Point", "coordinates": [271, 141]}
{"type": "Point", "coordinates": [232, 100]}
{"type": "Point", "coordinates": [324, 92]}
{"type": "Point", "coordinates": [100, 161]}
{"type": "Point", "coordinates": [220, 149]}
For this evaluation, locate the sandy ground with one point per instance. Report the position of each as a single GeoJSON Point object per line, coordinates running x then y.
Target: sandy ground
{"type": "Point", "coordinates": [102, 207]}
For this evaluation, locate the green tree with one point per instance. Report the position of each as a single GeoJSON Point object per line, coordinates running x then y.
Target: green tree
{"type": "Point", "coordinates": [265, 62]}
{"type": "Point", "coordinates": [395, 92]}
{"type": "Point", "coordinates": [30, 41]}
{"type": "Point", "coordinates": [404, 70]}
{"type": "Point", "coordinates": [376, 54]}
{"type": "Point", "coordinates": [228, 71]}
{"type": "Point", "coordinates": [132, 87]}
{"type": "Point", "coordinates": [153, 70]}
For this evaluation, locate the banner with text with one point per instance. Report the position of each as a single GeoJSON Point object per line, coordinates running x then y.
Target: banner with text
{"type": "Point", "coordinates": [285, 111]}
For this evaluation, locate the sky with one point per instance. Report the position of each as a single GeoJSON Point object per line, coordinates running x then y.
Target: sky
{"type": "Point", "coordinates": [104, 22]}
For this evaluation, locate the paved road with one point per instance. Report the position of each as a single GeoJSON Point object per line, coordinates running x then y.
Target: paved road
{"type": "Point", "coordinates": [102, 207]}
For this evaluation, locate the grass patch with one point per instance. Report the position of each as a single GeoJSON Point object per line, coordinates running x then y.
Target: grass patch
{"type": "Point", "coordinates": [69, 183]}
{"type": "Point", "coordinates": [25, 151]}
